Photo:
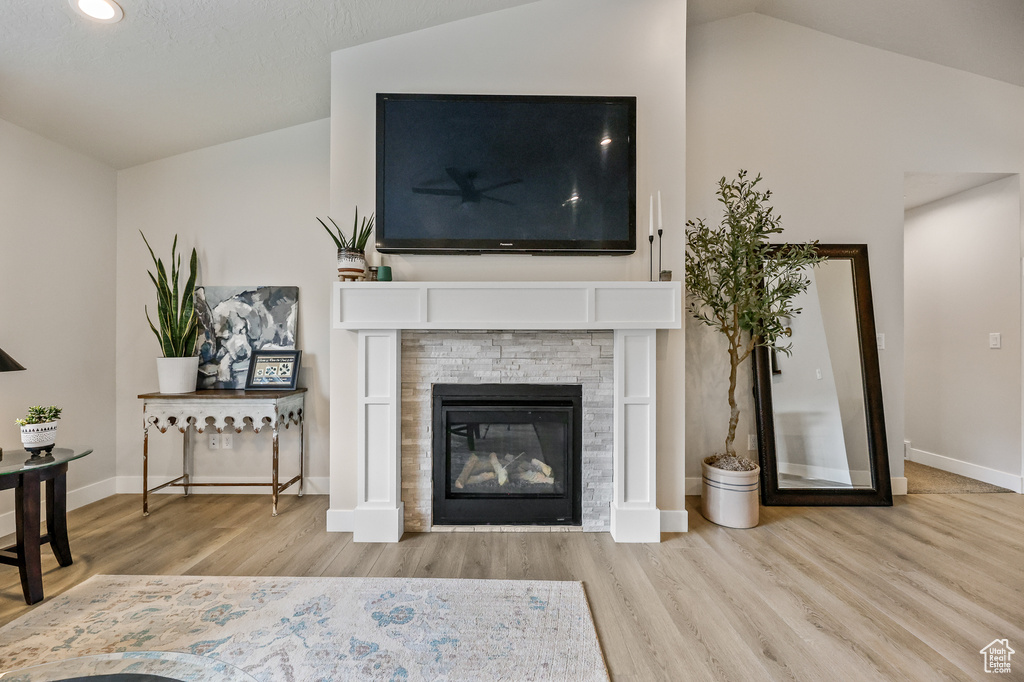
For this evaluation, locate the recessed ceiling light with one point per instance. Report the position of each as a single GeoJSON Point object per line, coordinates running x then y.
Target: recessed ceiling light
{"type": "Point", "coordinates": [101, 11]}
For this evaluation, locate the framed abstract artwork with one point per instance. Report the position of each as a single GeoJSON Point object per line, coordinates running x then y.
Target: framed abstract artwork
{"type": "Point", "coordinates": [234, 322]}
{"type": "Point", "coordinates": [273, 369]}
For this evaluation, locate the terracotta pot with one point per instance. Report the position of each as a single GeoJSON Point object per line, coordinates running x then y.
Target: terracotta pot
{"type": "Point", "coordinates": [730, 498]}
{"type": "Point", "coordinates": [177, 375]}
{"type": "Point", "coordinates": [351, 264]}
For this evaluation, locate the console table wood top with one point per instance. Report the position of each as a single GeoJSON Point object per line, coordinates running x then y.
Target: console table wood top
{"type": "Point", "coordinates": [222, 394]}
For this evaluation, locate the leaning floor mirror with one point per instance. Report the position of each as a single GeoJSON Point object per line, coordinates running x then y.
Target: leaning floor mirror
{"type": "Point", "coordinates": [821, 431]}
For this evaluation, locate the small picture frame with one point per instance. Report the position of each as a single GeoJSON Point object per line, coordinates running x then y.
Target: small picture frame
{"type": "Point", "coordinates": [273, 370]}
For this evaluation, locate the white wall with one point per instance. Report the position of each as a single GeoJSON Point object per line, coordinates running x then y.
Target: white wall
{"type": "Point", "coordinates": [581, 47]}
{"type": "Point", "coordinates": [963, 281]}
{"type": "Point", "coordinates": [833, 126]}
{"type": "Point", "coordinates": [57, 230]}
{"type": "Point", "coordinates": [249, 208]}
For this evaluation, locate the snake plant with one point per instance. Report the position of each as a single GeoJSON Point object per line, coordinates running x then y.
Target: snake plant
{"type": "Point", "coordinates": [360, 233]}
{"type": "Point", "coordinates": [179, 325]}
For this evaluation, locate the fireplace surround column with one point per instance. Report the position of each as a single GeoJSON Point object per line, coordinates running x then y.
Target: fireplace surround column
{"type": "Point", "coordinates": [634, 515]}
{"type": "Point", "coordinates": [379, 514]}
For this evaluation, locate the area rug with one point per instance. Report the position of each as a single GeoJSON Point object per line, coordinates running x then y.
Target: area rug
{"type": "Point", "coordinates": [923, 479]}
{"type": "Point", "coordinates": [324, 629]}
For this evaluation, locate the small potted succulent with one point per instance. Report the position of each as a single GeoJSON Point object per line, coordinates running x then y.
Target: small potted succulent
{"type": "Point", "coordinates": [39, 428]}
{"type": "Point", "coordinates": [351, 250]}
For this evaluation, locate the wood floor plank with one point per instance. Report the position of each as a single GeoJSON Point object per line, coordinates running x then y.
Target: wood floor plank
{"type": "Point", "coordinates": [909, 592]}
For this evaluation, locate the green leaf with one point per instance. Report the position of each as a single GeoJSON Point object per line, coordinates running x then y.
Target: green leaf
{"type": "Point", "coordinates": [175, 310]}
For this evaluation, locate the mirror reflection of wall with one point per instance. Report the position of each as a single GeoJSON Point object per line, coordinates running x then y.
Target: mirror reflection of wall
{"type": "Point", "coordinates": [818, 396]}
{"type": "Point", "coordinates": [820, 420]}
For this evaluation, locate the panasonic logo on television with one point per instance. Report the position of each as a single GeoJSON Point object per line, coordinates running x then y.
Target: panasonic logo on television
{"type": "Point", "coordinates": [505, 244]}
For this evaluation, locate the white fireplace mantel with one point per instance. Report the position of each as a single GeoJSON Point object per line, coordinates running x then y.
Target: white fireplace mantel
{"type": "Point", "coordinates": [379, 311]}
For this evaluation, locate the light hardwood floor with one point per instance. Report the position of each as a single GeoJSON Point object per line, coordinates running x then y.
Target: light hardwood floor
{"type": "Point", "coordinates": [908, 592]}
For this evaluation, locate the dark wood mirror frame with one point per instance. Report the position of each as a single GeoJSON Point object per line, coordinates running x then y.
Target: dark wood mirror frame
{"type": "Point", "coordinates": [880, 492]}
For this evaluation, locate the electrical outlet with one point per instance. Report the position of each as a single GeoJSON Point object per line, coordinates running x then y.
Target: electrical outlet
{"type": "Point", "coordinates": [880, 341]}
{"type": "Point", "coordinates": [751, 442]}
{"type": "Point", "coordinates": [227, 441]}
{"type": "Point", "coordinates": [214, 441]}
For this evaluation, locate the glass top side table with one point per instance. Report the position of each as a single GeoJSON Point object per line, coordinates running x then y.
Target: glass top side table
{"type": "Point", "coordinates": [133, 666]}
{"type": "Point", "coordinates": [24, 473]}
{"type": "Point", "coordinates": [20, 461]}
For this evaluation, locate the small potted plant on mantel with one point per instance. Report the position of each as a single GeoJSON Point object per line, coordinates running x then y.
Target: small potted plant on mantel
{"type": "Point", "coordinates": [742, 286]}
{"type": "Point", "coordinates": [39, 428]}
{"type": "Point", "coordinates": [351, 250]}
{"type": "Point", "coordinates": [178, 369]}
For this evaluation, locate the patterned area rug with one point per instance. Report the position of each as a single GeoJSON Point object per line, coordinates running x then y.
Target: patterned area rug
{"type": "Point", "coordinates": [283, 629]}
{"type": "Point", "coordinates": [923, 479]}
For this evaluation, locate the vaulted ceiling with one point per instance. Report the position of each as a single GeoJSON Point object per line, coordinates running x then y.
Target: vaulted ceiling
{"type": "Point", "coordinates": [174, 76]}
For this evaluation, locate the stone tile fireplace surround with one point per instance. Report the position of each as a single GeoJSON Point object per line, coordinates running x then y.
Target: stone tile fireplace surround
{"type": "Point", "coordinates": [521, 357]}
{"type": "Point", "coordinates": [414, 334]}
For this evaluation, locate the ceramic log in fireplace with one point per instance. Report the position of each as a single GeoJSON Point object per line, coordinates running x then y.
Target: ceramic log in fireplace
{"type": "Point", "coordinates": [507, 454]}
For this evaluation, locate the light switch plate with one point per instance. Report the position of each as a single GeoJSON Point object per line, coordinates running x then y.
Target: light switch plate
{"type": "Point", "coordinates": [214, 441]}
{"type": "Point", "coordinates": [995, 340]}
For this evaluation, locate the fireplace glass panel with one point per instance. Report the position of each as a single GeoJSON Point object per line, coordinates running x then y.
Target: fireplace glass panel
{"type": "Point", "coordinates": [508, 452]}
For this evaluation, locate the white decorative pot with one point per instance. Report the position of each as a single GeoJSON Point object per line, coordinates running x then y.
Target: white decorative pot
{"type": "Point", "coordinates": [177, 375]}
{"type": "Point", "coordinates": [351, 264]}
{"type": "Point", "coordinates": [730, 498]}
{"type": "Point", "coordinates": [36, 437]}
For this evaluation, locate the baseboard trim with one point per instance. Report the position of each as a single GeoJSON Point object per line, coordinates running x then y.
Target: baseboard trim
{"type": "Point", "coordinates": [975, 471]}
{"type": "Point", "coordinates": [316, 485]}
{"type": "Point", "coordinates": [674, 521]}
{"type": "Point", "coordinates": [79, 497]}
{"type": "Point", "coordinates": [341, 520]}
{"type": "Point", "coordinates": [899, 485]}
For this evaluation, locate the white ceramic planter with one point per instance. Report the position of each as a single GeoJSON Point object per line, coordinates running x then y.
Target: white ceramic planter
{"type": "Point", "coordinates": [730, 498]}
{"type": "Point", "coordinates": [351, 264]}
{"type": "Point", "coordinates": [177, 375]}
{"type": "Point", "coordinates": [39, 436]}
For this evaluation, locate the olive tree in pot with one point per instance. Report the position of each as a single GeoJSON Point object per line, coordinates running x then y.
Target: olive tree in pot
{"type": "Point", "coordinates": [351, 250]}
{"type": "Point", "coordinates": [178, 369]}
{"type": "Point", "coordinates": [743, 287]}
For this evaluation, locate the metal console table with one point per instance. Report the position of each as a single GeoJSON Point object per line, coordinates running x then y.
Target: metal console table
{"type": "Point", "coordinates": [183, 410]}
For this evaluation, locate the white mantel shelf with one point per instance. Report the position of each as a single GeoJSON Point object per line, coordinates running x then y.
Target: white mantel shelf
{"type": "Point", "coordinates": [379, 311]}
{"type": "Point", "coordinates": [507, 305]}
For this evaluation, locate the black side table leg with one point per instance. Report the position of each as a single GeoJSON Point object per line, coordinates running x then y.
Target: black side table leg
{"type": "Point", "coordinates": [57, 517]}
{"type": "Point", "coordinates": [26, 512]}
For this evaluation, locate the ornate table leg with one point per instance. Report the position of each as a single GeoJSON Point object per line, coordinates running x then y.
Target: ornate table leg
{"type": "Point", "coordinates": [186, 451]}
{"type": "Point", "coordinates": [57, 516]}
{"type": "Point", "coordinates": [302, 451]}
{"type": "Point", "coordinates": [274, 486]}
{"type": "Point", "coordinates": [26, 511]}
{"type": "Point", "coordinates": [145, 471]}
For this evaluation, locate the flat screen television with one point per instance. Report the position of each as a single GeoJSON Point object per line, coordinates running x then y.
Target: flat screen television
{"type": "Point", "coordinates": [506, 174]}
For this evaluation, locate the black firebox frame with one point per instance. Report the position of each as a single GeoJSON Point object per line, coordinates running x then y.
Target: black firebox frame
{"type": "Point", "coordinates": [563, 509]}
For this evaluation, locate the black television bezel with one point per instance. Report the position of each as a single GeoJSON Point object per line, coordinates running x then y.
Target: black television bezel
{"type": "Point", "coordinates": [480, 246]}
